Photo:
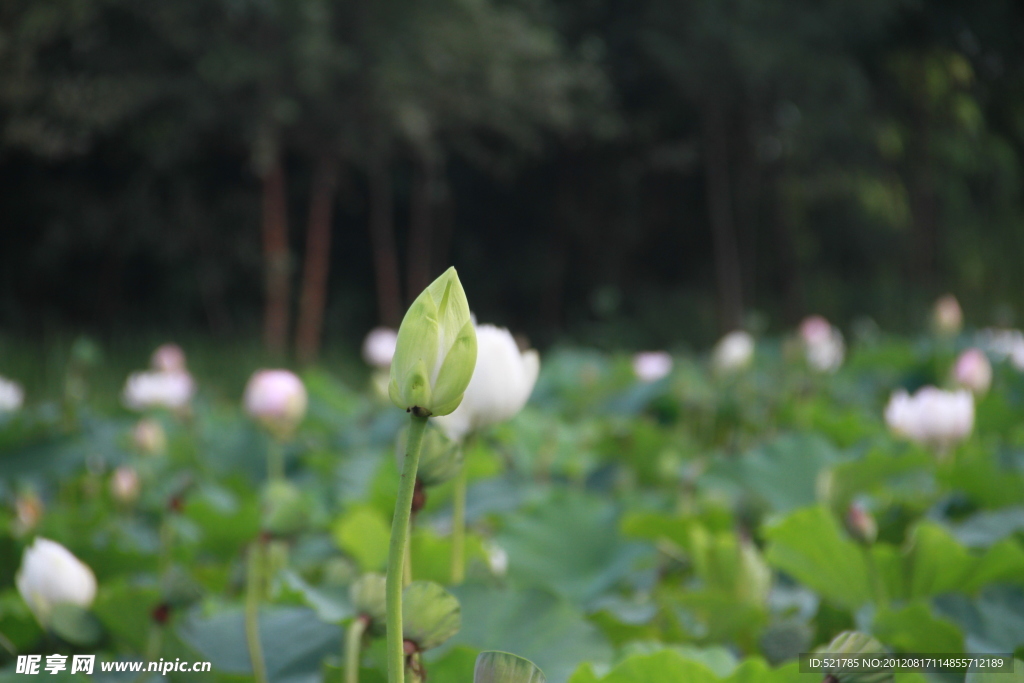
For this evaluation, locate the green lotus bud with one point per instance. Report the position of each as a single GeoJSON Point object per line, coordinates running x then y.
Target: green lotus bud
{"type": "Point", "coordinates": [440, 457]}
{"type": "Point", "coordinates": [436, 350]}
{"type": "Point", "coordinates": [430, 614]}
{"type": "Point", "coordinates": [285, 510]}
{"type": "Point", "coordinates": [502, 667]}
{"type": "Point", "coordinates": [367, 594]}
{"type": "Point", "coordinates": [856, 643]}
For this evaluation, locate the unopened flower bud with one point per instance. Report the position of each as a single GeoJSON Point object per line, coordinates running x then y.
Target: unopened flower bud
{"type": "Point", "coordinates": [824, 347]}
{"type": "Point", "coordinates": [947, 317]}
{"type": "Point", "coordinates": [379, 347]}
{"type": "Point", "coordinates": [973, 371]}
{"type": "Point", "coordinates": [277, 399]}
{"type": "Point", "coordinates": [11, 396]}
{"type": "Point", "coordinates": [503, 379]}
{"type": "Point", "coordinates": [168, 358]}
{"type": "Point", "coordinates": [733, 352]}
{"type": "Point", "coordinates": [50, 576]}
{"type": "Point", "coordinates": [436, 350]}
{"type": "Point", "coordinates": [650, 366]}
{"type": "Point", "coordinates": [28, 508]}
{"type": "Point", "coordinates": [861, 524]}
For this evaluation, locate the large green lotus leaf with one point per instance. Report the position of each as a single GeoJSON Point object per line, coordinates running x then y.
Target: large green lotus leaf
{"type": "Point", "coordinates": [571, 546]}
{"type": "Point", "coordinates": [331, 603]}
{"type": "Point", "coordinates": [455, 664]}
{"type": "Point", "coordinates": [782, 473]}
{"type": "Point", "coordinates": [935, 562]}
{"type": "Point", "coordinates": [992, 622]}
{"type": "Point", "coordinates": [227, 521]}
{"type": "Point", "coordinates": [810, 546]}
{"type": "Point", "coordinates": [914, 628]}
{"type": "Point", "coordinates": [363, 533]}
{"type": "Point", "coordinates": [126, 612]}
{"type": "Point", "coordinates": [534, 624]}
{"type": "Point", "coordinates": [880, 474]}
{"type": "Point", "coordinates": [502, 667]}
{"type": "Point", "coordinates": [984, 482]}
{"type": "Point", "coordinates": [432, 554]}
{"type": "Point", "coordinates": [719, 659]}
{"type": "Point", "coordinates": [975, 676]}
{"type": "Point", "coordinates": [294, 641]}
{"type": "Point", "coordinates": [662, 667]}
{"type": "Point", "coordinates": [430, 614]}
{"type": "Point", "coordinates": [1002, 563]}
{"type": "Point", "coordinates": [987, 527]}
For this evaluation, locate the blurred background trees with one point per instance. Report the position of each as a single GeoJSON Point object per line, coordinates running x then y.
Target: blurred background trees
{"type": "Point", "coordinates": [634, 174]}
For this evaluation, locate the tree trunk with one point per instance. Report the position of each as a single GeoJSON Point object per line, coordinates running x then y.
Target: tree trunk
{"type": "Point", "coordinates": [315, 272]}
{"type": "Point", "coordinates": [720, 212]}
{"type": "Point", "coordinates": [421, 227]}
{"type": "Point", "coordinates": [276, 259]}
{"type": "Point", "coordinates": [382, 236]}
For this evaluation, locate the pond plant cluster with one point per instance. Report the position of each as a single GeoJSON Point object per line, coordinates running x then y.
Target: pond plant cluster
{"type": "Point", "coordinates": [477, 513]}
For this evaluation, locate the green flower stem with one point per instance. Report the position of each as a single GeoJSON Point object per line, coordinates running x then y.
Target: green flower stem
{"type": "Point", "coordinates": [275, 460]}
{"type": "Point", "coordinates": [396, 553]}
{"type": "Point", "coordinates": [407, 560]}
{"type": "Point", "coordinates": [459, 526]}
{"type": "Point", "coordinates": [253, 588]}
{"type": "Point", "coordinates": [353, 645]}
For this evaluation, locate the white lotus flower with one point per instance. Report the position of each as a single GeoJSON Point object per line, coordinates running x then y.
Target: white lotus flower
{"type": "Point", "coordinates": [733, 352]}
{"type": "Point", "coordinates": [50, 575]}
{"type": "Point", "coordinates": [502, 382]}
{"type": "Point", "coordinates": [168, 358]}
{"type": "Point", "coordinates": [379, 347]}
{"type": "Point", "coordinates": [931, 417]}
{"type": "Point", "coordinates": [277, 399]}
{"type": "Point", "coordinates": [947, 316]}
{"type": "Point", "coordinates": [650, 366]}
{"type": "Point", "coordinates": [973, 371]}
{"type": "Point", "coordinates": [147, 390]}
{"type": "Point", "coordinates": [11, 396]}
{"type": "Point", "coordinates": [824, 347]}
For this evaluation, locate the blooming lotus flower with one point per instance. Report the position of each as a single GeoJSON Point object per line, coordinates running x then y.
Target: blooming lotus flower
{"type": "Point", "coordinates": [379, 347]}
{"type": "Point", "coordinates": [11, 396]}
{"type": "Point", "coordinates": [823, 343]}
{"type": "Point", "coordinates": [973, 371]}
{"type": "Point", "coordinates": [148, 436]}
{"type": "Point", "coordinates": [436, 350]}
{"type": "Point", "coordinates": [147, 390]}
{"type": "Point", "coordinates": [650, 366]}
{"type": "Point", "coordinates": [734, 351]}
{"type": "Point", "coordinates": [168, 358]}
{"type": "Point", "coordinates": [50, 575]}
{"type": "Point", "coordinates": [277, 399]}
{"type": "Point", "coordinates": [947, 317]}
{"type": "Point", "coordinates": [502, 382]}
{"type": "Point", "coordinates": [124, 484]}
{"type": "Point", "coordinates": [931, 417]}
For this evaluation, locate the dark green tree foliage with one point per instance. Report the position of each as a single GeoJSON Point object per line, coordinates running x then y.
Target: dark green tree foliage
{"type": "Point", "coordinates": [671, 165]}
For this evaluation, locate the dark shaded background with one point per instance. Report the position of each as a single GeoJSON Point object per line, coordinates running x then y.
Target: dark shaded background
{"type": "Point", "coordinates": [611, 172]}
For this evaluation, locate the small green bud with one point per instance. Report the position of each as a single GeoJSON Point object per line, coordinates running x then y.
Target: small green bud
{"type": "Point", "coordinates": [855, 643]}
{"type": "Point", "coordinates": [285, 509]}
{"type": "Point", "coordinates": [436, 350]}
{"type": "Point", "coordinates": [367, 594]}
{"type": "Point", "coordinates": [440, 457]}
{"type": "Point", "coordinates": [430, 614]}
{"type": "Point", "coordinates": [502, 667]}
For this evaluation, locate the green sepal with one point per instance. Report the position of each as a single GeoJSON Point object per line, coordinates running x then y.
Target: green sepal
{"type": "Point", "coordinates": [456, 371]}
{"type": "Point", "coordinates": [503, 667]}
{"type": "Point", "coordinates": [430, 614]}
